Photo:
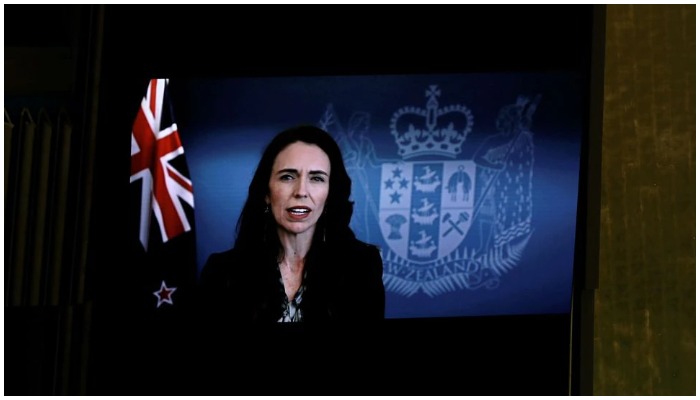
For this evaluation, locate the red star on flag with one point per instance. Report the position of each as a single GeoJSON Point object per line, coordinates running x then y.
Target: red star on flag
{"type": "Point", "coordinates": [164, 294]}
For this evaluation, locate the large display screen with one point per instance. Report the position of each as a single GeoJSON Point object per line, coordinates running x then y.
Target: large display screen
{"type": "Point", "coordinates": [469, 183]}
{"type": "Point", "coordinates": [469, 137]}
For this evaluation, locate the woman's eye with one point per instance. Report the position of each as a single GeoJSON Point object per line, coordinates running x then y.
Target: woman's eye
{"type": "Point", "coordinates": [286, 177]}
{"type": "Point", "coordinates": [317, 179]}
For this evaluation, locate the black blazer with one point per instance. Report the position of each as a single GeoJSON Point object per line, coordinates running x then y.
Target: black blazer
{"type": "Point", "coordinates": [343, 284]}
{"type": "Point", "coordinates": [240, 347]}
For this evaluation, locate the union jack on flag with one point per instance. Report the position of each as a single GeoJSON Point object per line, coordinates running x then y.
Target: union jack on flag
{"type": "Point", "coordinates": [155, 144]}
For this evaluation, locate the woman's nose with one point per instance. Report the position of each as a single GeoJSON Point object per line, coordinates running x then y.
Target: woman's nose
{"type": "Point", "coordinates": [301, 189]}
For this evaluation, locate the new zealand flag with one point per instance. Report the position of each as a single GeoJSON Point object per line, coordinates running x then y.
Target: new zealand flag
{"type": "Point", "coordinates": [162, 214]}
{"type": "Point", "coordinates": [141, 336]}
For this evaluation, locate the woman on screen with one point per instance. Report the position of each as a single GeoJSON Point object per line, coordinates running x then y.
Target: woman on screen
{"type": "Point", "coordinates": [295, 257]}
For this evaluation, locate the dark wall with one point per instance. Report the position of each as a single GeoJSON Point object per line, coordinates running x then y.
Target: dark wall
{"type": "Point", "coordinates": [644, 340]}
{"type": "Point", "coordinates": [47, 100]}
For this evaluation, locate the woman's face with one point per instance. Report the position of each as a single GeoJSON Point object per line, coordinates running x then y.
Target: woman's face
{"type": "Point", "coordinates": [299, 186]}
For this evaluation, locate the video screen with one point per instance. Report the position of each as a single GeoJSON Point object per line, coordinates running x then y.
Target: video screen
{"type": "Point", "coordinates": [468, 183]}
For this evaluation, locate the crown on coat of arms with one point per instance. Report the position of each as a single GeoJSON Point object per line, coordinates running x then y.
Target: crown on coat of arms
{"type": "Point", "coordinates": [431, 130]}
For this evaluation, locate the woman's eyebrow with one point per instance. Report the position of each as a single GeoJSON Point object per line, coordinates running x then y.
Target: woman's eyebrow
{"type": "Point", "coordinates": [288, 171]}
{"type": "Point", "coordinates": [296, 171]}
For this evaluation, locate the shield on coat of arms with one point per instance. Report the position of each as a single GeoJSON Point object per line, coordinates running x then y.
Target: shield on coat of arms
{"type": "Point", "coordinates": [426, 207]}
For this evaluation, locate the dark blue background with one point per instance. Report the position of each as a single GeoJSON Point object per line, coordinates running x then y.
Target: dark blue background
{"type": "Point", "coordinates": [225, 124]}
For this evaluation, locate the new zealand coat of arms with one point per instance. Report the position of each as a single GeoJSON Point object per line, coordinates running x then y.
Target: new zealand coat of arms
{"type": "Point", "coordinates": [449, 221]}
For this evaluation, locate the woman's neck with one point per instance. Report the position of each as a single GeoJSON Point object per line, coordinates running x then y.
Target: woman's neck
{"type": "Point", "coordinates": [295, 248]}
{"type": "Point", "coordinates": [291, 262]}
